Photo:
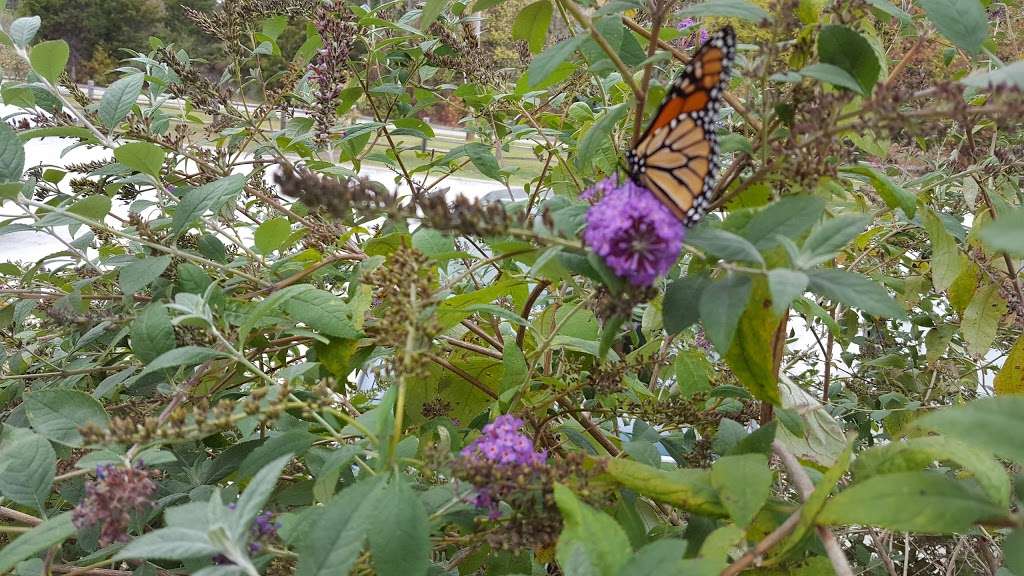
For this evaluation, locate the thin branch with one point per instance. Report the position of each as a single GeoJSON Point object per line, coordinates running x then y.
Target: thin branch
{"type": "Point", "coordinates": [586, 22]}
{"type": "Point", "coordinates": [463, 374]}
{"type": "Point", "coordinates": [12, 514]}
{"type": "Point", "coordinates": [764, 545]}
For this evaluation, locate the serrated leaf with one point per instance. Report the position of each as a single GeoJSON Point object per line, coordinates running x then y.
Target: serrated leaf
{"type": "Point", "coordinates": [28, 464]}
{"type": "Point", "coordinates": [856, 291]}
{"type": "Point", "coordinates": [532, 24]}
{"type": "Point", "coordinates": [334, 547]}
{"type": "Point", "coordinates": [1010, 379]}
{"type": "Point", "coordinates": [136, 276]}
{"type": "Point", "coordinates": [271, 234]}
{"type": "Point", "coordinates": [790, 217]}
{"type": "Point", "coordinates": [722, 303]}
{"type": "Point", "coordinates": [119, 98]}
{"type": "Point", "coordinates": [845, 48]}
{"type": "Point", "coordinates": [945, 261]}
{"type": "Point", "coordinates": [963, 22]}
{"type": "Point", "coordinates": [591, 543]}
{"type": "Point", "coordinates": [927, 502]}
{"type": "Point", "coordinates": [399, 532]}
{"type": "Point", "coordinates": [152, 333]}
{"type": "Point", "coordinates": [48, 533]}
{"type": "Point", "coordinates": [724, 244]}
{"type": "Point", "coordinates": [693, 371]}
{"type": "Point", "coordinates": [981, 319]}
{"type": "Point", "coordinates": [687, 489]}
{"type": "Point", "coordinates": [169, 544]}
{"type": "Point", "coordinates": [256, 494]}
{"type": "Point", "coordinates": [321, 311]}
{"type": "Point", "coordinates": [12, 155]}
{"type": "Point", "coordinates": [49, 58]}
{"type": "Point", "coordinates": [184, 356]}
{"type": "Point", "coordinates": [996, 424]}
{"type": "Point", "coordinates": [59, 413]}
{"type": "Point", "coordinates": [785, 286]}
{"type": "Point", "coordinates": [829, 237]}
{"type": "Point", "coordinates": [743, 483]}
{"type": "Point", "coordinates": [294, 442]}
{"type": "Point", "coordinates": [210, 196]}
{"type": "Point", "coordinates": [142, 157]}
{"type": "Point", "coordinates": [750, 356]}
{"type": "Point", "coordinates": [22, 31]}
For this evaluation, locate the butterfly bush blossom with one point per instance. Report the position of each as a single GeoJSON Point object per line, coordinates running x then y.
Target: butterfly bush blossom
{"type": "Point", "coordinates": [684, 25]}
{"type": "Point", "coordinates": [112, 499]}
{"type": "Point", "coordinates": [636, 235]}
{"type": "Point", "coordinates": [263, 530]}
{"type": "Point", "coordinates": [501, 454]}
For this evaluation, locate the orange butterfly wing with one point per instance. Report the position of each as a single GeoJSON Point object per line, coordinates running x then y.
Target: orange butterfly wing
{"type": "Point", "coordinates": [677, 156]}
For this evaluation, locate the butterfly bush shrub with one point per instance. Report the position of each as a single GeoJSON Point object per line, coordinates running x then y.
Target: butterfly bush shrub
{"type": "Point", "coordinates": [290, 325]}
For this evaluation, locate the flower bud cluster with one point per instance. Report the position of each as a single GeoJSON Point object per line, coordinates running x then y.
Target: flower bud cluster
{"type": "Point", "coordinates": [113, 498]}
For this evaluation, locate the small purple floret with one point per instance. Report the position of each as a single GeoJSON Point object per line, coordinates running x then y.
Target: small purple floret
{"type": "Point", "coordinates": [636, 235]}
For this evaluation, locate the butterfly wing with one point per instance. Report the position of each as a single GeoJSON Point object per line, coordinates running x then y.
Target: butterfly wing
{"type": "Point", "coordinates": [677, 156]}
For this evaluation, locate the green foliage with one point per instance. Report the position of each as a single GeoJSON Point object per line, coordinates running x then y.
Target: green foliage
{"type": "Point", "coordinates": [291, 368]}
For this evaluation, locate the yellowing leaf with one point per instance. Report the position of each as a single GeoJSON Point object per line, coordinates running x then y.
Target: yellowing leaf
{"type": "Point", "coordinates": [981, 319]}
{"type": "Point", "coordinates": [1010, 379]}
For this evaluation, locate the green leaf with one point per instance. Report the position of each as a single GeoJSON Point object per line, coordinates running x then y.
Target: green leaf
{"type": "Point", "coordinates": [136, 276]}
{"type": "Point", "coordinates": [334, 546]}
{"type": "Point", "coordinates": [184, 356]}
{"type": "Point", "coordinates": [750, 357]}
{"type": "Point", "coordinates": [743, 484]}
{"type": "Point", "coordinates": [656, 559]}
{"type": "Point", "coordinates": [945, 262]}
{"type": "Point", "coordinates": [272, 234]}
{"type": "Point", "coordinates": [169, 544]}
{"type": "Point", "coordinates": [893, 195]}
{"type": "Point", "coordinates": [12, 155]}
{"type": "Point", "coordinates": [49, 58]}
{"type": "Point", "coordinates": [431, 10]}
{"type": "Point", "coordinates": [92, 207]}
{"type": "Point", "coordinates": [59, 413]}
{"type": "Point", "coordinates": [891, 9]}
{"type": "Point", "coordinates": [996, 424]}
{"type": "Point", "coordinates": [49, 533]}
{"type": "Point", "coordinates": [256, 494]}
{"type": "Point", "coordinates": [532, 25]}
{"type": "Point", "coordinates": [692, 372]}
{"type": "Point", "coordinates": [1011, 75]}
{"type": "Point", "coordinates": [591, 543]}
{"type": "Point", "coordinates": [728, 8]}
{"type": "Point", "coordinates": [833, 75]}
{"type": "Point", "coordinates": [785, 286]}
{"type": "Point", "coordinates": [599, 135]}
{"type": "Point", "coordinates": [963, 22]}
{"type": "Point", "coordinates": [926, 502]}
{"type": "Point", "coordinates": [828, 238]}
{"type": "Point", "coordinates": [118, 100]}
{"type": "Point", "coordinates": [686, 489]}
{"type": "Point", "coordinates": [142, 157]}
{"type": "Point", "coordinates": [28, 464]}
{"type": "Point", "coordinates": [152, 333]}
{"type": "Point", "coordinates": [546, 62]}
{"type": "Point", "coordinates": [854, 290]}
{"type": "Point", "coordinates": [1013, 551]}
{"type": "Point", "coordinates": [981, 319]}
{"type": "Point", "coordinates": [722, 304]}
{"type": "Point", "coordinates": [22, 31]}
{"type": "Point", "coordinates": [680, 307]}
{"type": "Point", "coordinates": [1010, 379]}
{"type": "Point", "coordinates": [293, 442]}
{"type": "Point", "coordinates": [321, 311]}
{"type": "Point", "coordinates": [919, 453]}
{"type": "Point", "coordinates": [1006, 233]}
{"type": "Point", "coordinates": [789, 217]}
{"type": "Point", "coordinates": [207, 197]}
{"type": "Point", "coordinates": [724, 244]}
{"type": "Point", "coordinates": [399, 531]}
{"type": "Point", "coordinates": [416, 125]}
{"type": "Point", "coordinates": [845, 48]}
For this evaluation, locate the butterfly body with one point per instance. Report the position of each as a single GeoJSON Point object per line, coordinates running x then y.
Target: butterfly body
{"type": "Point", "coordinates": [676, 158]}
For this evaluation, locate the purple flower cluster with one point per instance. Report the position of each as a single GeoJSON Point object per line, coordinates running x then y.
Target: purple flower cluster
{"type": "Point", "coordinates": [636, 235]}
{"type": "Point", "coordinates": [503, 443]}
{"type": "Point", "coordinates": [684, 25]}
{"type": "Point", "coordinates": [499, 462]}
{"type": "Point", "coordinates": [262, 531]}
{"type": "Point", "coordinates": [112, 499]}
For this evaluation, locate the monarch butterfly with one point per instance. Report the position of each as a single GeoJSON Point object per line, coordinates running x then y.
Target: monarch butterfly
{"type": "Point", "coordinates": [677, 156]}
